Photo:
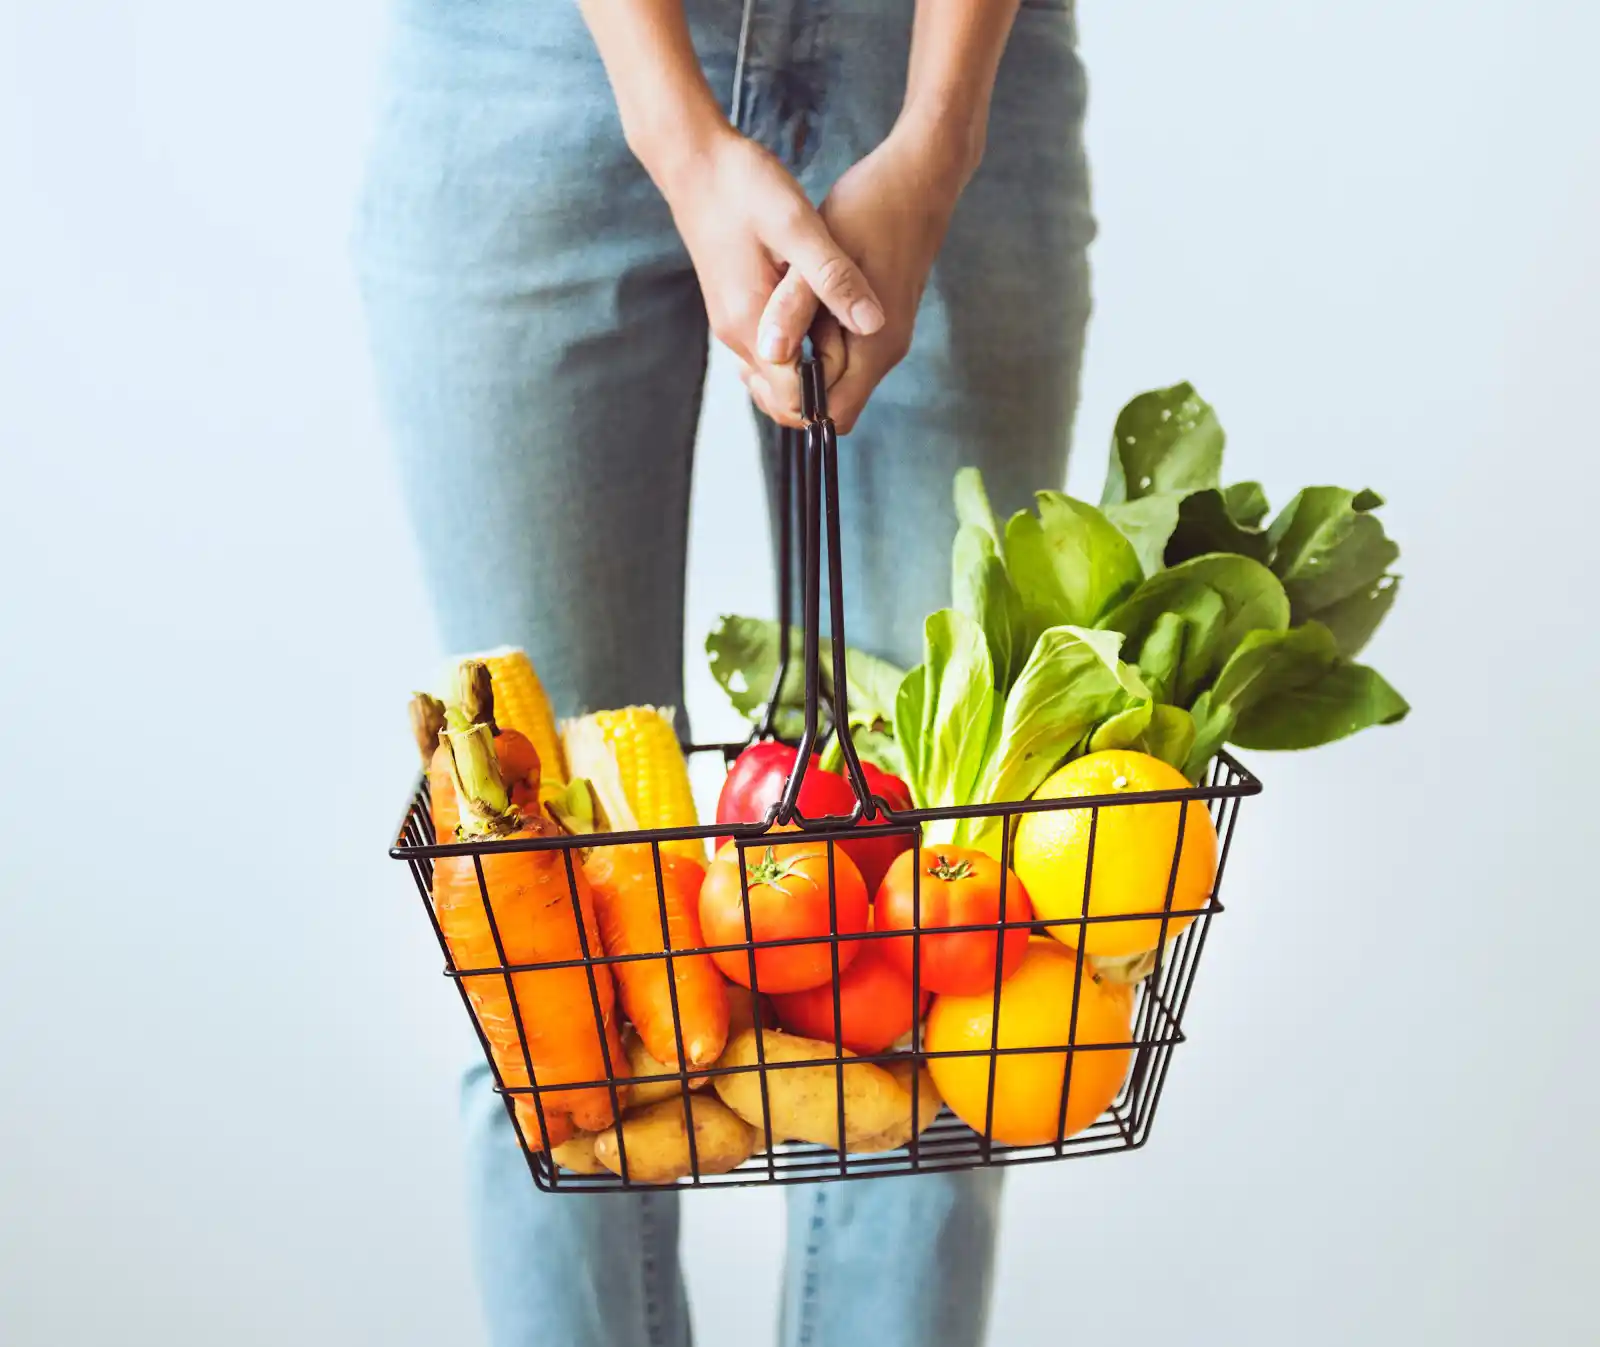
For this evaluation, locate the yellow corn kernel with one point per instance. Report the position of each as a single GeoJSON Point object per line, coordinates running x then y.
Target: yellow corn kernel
{"type": "Point", "coordinates": [632, 759]}
{"type": "Point", "coordinates": [520, 704]}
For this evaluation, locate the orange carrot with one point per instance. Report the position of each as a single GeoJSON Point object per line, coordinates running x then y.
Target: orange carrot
{"type": "Point", "coordinates": [532, 901]}
{"type": "Point", "coordinates": [628, 905]}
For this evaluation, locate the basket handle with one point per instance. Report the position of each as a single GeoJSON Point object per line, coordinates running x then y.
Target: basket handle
{"type": "Point", "coordinates": [809, 460]}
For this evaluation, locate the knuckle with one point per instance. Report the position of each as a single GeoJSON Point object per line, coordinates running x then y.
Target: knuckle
{"type": "Point", "coordinates": [837, 276]}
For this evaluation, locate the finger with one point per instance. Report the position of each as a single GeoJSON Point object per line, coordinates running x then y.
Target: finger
{"type": "Point", "coordinates": [848, 397]}
{"type": "Point", "coordinates": [827, 337]}
{"type": "Point", "coordinates": [766, 402]}
{"type": "Point", "coordinates": [786, 319]}
{"type": "Point", "coordinates": [834, 278]}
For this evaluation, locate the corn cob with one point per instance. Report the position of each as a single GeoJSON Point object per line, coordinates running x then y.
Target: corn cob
{"type": "Point", "coordinates": [632, 759]}
{"type": "Point", "coordinates": [520, 704]}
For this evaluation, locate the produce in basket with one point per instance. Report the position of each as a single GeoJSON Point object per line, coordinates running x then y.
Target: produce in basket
{"type": "Point", "coordinates": [951, 886]}
{"type": "Point", "coordinates": [657, 1141]}
{"type": "Point", "coordinates": [756, 782]}
{"type": "Point", "coordinates": [875, 1002]}
{"type": "Point", "coordinates": [629, 902]}
{"type": "Point", "coordinates": [790, 899]}
{"type": "Point", "coordinates": [633, 761]}
{"type": "Point", "coordinates": [642, 1090]}
{"type": "Point", "coordinates": [1134, 846]}
{"type": "Point", "coordinates": [578, 1154]}
{"type": "Point", "coordinates": [1172, 620]}
{"type": "Point", "coordinates": [523, 707]}
{"type": "Point", "coordinates": [928, 1105]}
{"type": "Point", "coordinates": [1036, 1007]}
{"type": "Point", "coordinates": [533, 904]}
{"type": "Point", "coordinates": [803, 1101]}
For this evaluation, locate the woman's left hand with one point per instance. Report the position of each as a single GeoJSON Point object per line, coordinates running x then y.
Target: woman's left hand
{"type": "Point", "coordinates": [889, 213]}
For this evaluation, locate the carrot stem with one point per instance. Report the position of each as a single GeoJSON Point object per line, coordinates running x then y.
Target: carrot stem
{"type": "Point", "coordinates": [427, 721]}
{"type": "Point", "coordinates": [475, 694]}
{"type": "Point", "coordinates": [480, 792]}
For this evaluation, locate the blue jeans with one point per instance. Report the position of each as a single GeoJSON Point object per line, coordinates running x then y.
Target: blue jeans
{"type": "Point", "coordinates": [540, 346]}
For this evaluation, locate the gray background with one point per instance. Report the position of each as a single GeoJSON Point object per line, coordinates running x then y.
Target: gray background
{"type": "Point", "coordinates": [1367, 231]}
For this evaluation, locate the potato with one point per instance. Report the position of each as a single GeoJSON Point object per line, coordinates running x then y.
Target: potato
{"type": "Point", "coordinates": [928, 1106]}
{"type": "Point", "coordinates": [641, 1063]}
{"type": "Point", "coordinates": [578, 1154]}
{"type": "Point", "coordinates": [804, 1099]}
{"type": "Point", "coordinates": [658, 1142]}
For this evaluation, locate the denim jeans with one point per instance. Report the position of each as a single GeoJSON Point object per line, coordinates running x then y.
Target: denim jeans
{"type": "Point", "coordinates": [540, 346]}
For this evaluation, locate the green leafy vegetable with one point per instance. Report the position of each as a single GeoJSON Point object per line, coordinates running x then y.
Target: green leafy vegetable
{"type": "Point", "coordinates": [1166, 440]}
{"type": "Point", "coordinates": [1073, 681]}
{"type": "Point", "coordinates": [946, 705]}
{"type": "Point", "coordinates": [1291, 689]}
{"type": "Point", "coordinates": [982, 589]}
{"type": "Point", "coordinates": [743, 653]}
{"type": "Point", "coordinates": [1206, 524]}
{"type": "Point", "coordinates": [1250, 597]}
{"type": "Point", "coordinates": [1331, 552]}
{"type": "Point", "coordinates": [1069, 563]}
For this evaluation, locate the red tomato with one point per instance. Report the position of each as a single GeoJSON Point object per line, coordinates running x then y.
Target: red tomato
{"type": "Point", "coordinates": [758, 776]}
{"type": "Point", "coordinates": [958, 887]}
{"type": "Point", "coordinates": [874, 1002]}
{"type": "Point", "coordinates": [788, 886]}
{"type": "Point", "coordinates": [756, 780]}
{"type": "Point", "coordinates": [874, 855]}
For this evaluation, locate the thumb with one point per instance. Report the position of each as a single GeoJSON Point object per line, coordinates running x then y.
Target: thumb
{"type": "Point", "coordinates": [835, 280]}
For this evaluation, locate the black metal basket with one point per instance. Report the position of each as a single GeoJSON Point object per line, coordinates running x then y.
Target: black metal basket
{"type": "Point", "coordinates": [945, 1143]}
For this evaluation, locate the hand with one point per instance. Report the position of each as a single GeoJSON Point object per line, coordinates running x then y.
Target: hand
{"type": "Point", "coordinates": [747, 224]}
{"type": "Point", "coordinates": [890, 213]}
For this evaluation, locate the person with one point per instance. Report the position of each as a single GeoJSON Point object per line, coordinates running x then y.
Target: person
{"type": "Point", "coordinates": [563, 200]}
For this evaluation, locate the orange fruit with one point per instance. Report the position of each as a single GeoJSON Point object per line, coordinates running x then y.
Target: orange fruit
{"type": "Point", "coordinates": [1133, 851]}
{"type": "Point", "coordinates": [1035, 1012]}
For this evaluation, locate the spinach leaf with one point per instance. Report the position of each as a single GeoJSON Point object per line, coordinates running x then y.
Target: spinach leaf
{"type": "Point", "coordinates": [1170, 735]}
{"type": "Point", "coordinates": [743, 653]}
{"type": "Point", "coordinates": [1246, 502]}
{"type": "Point", "coordinates": [1352, 620]}
{"type": "Point", "coordinates": [1206, 524]}
{"type": "Point", "coordinates": [972, 503]}
{"type": "Point", "coordinates": [1166, 440]}
{"type": "Point", "coordinates": [981, 588]}
{"type": "Point", "coordinates": [1213, 723]}
{"type": "Point", "coordinates": [910, 710]}
{"type": "Point", "coordinates": [945, 707]}
{"type": "Point", "coordinates": [1070, 564]}
{"type": "Point", "coordinates": [1250, 596]}
{"type": "Point", "coordinates": [1160, 654]}
{"type": "Point", "coordinates": [1123, 730]}
{"type": "Point", "coordinates": [1330, 550]}
{"type": "Point", "coordinates": [1072, 682]}
{"type": "Point", "coordinates": [1147, 523]}
{"type": "Point", "coordinates": [1292, 689]}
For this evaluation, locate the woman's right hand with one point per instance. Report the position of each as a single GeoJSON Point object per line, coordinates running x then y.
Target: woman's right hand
{"type": "Point", "coordinates": [747, 223]}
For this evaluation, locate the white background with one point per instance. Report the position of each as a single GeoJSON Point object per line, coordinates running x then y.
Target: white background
{"type": "Point", "coordinates": [1367, 231]}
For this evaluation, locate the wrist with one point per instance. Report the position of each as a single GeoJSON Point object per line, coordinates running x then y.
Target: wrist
{"type": "Point", "coordinates": [946, 134]}
{"type": "Point", "coordinates": [673, 133]}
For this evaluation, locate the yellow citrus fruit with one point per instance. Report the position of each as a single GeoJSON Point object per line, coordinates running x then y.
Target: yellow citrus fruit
{"type": "Point", "coordinates": [1035, 1012]}
{"type": "Point", "coordinates": [1133, 850]}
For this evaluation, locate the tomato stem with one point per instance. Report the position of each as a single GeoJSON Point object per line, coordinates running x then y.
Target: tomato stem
{"type": "Point", "coordinates": [949, 871]}
{"type": "Point", "coordinates": [769, 870]}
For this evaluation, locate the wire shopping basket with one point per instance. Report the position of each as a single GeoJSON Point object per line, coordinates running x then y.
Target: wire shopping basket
{"type": "Point", "coordinates": [1065, 1055]}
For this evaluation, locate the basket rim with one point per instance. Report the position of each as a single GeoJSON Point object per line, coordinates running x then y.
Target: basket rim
{"type": "Point", "coordinates": [1243, 784]}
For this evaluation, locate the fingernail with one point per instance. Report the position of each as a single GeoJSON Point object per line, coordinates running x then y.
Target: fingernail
{"type": "Point", "coordinates": [867, 317]}
{"type": "Point", "coordinates": [771, 345]}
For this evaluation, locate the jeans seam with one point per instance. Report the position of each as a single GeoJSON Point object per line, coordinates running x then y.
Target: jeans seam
{"type": "Point", "coordinates": [810, 1276]}
{"type": "Point", "coordinates": [653, 1328]}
